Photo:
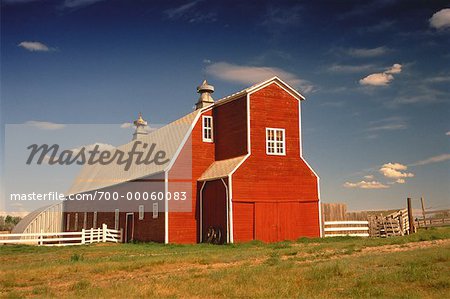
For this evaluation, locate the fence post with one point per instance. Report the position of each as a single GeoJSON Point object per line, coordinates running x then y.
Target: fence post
{"type": "Point", "coordinates": [83, 236]}
{"type": "Point", "coordinates": [104, 227]}
{"type": "Point", "coordinates": [41, 237]}
{"type": "Point", "coordinates": [98, 234]}
{"type": "Point", "coordinates": [400, 221]}
{"type": "Point", "coordinates": [423, 212]}
{"type": "Point", "coordinates": [91, 236]}
{"type": "Point", "coordinates": [410, 216]}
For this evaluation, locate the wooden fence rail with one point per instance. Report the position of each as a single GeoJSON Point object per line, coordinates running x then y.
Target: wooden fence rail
{"type": "Point", "coordinates": [93, 235]}
{"type": "Point", "coordinates": [346, 228]}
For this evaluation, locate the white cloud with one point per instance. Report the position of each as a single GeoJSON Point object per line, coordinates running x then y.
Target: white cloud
{"type": "Point", "coordinates": [435, 159]}
{"type": "Point", "coordinates": [366, 185]}
{"type": "Point", "coordinates": [438, 79]}
{"type": "Point", "coordinates": [278, 16]}
{"type": "Point", "coordinates": [22, 213]}
{"type": "Point", "coordinates": [207, 61]}
{"type": "Point", "coordinates": [395, 171]}
{"type": "Point", "coordinates": [396, 68]}
{"type": "Point", "coordinates": [382, 26]}
{"type": "Point", "coordinates": [382, 79]}
{"type": "Point", "coordinates": [448, 133]}
{"type": "Point", "coordinates": [17, 1]}
{"type": "Point", "coordinates": [44, 125]}
{"type": "Point", "coordinates": [79, 3]}
{"type": "Point", "coordinates": [419, 94]}
{"type": "Point", "coordinates": [441, 19]}
{"type": "Point", "coordinates": [339, 68]}
{"type": "Point", "coordinates": [377, 79]}
{"type": "Point", "coordinates": [400, 181]}
{"type": "Point", "coordinates": [367, 52]}
{"type": "Point", "coordinates": [179, 11]}
{"type": "Point", "coordinates": [369, 177]}
{"type": "Point", "coordinates": [126, 125]}
{"type": "Point", "coordinates": [191, 13]}
{"type": "Point", "coordinates": [388, 127]}
{"type": "Point", "coordinates": [254, 74]}
{"type": "Point", "coordinates": [388, 124]}
{"type": "Point", "coordinates": [34, 46]}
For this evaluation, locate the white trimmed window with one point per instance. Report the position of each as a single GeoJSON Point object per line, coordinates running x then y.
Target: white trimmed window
{"type": "Point", "coordinates": [141, 212]}
{"type": "Point", "coordinates": [75, 225]}
{"type": "Point", "coordinates": [155, 210]}
{"type": "Point", "coordinates": [85, 220]}
{"type": "Point", "coordinates": [116, 219]}
{"type": "Point", "coordinates": [94, 220]}
{"type": "Point", "coordinates": [275, 141]}
{"type": "Point", "coordinates": [68, 222]}
{"type": "Point", "coordinates": [207, 128]}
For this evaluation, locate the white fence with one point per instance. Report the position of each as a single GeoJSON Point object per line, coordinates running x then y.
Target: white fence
{"type": "Point", "coordinates": [346, 228]}
{"type": "Point", "coordinates": [93, 235]}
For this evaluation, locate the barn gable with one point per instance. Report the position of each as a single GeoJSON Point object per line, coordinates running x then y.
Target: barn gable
{"type": "Point", "coordinates": [169, 138]}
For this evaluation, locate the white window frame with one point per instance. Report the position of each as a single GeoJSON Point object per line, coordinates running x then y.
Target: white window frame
{"type": "Point", "coordinates": [206, 129]}
{"type": "Point", "coordinates": [116, 219]}
{"type": "Point", "coordinates": [85, 220]}
{"type": "Point", "coordinates": [276, 144]}
{"type": "Point", "coordinates": [94, 220]}
{"type": "Point", "coordinates": [68, 222]}
{"type": "Point", "coordinates": [155, 210]}
{"type": "Point", "coordinates": [141, 212]}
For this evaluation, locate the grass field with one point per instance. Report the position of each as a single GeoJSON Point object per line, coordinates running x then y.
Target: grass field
{"type": "Point", "coordinates": [416, 266]}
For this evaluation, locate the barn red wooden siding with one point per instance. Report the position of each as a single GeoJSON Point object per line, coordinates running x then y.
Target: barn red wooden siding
{"type": "Point", "coordinates": [230, 129]}
{"type": "Point", "coordinates": [274, 198]}
{"type": "Point", "coordinates": [147, 229]}
{"type": "Point", "coordinates": [283, 188]}
{"type": "Point", "coordinates": [184, 226]}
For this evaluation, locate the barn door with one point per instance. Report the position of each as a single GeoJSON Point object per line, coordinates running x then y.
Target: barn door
{"type": "Point", "coordinates": [244, 221]}
{"type": "Point", "coordinates": [214, 210]}
{"type": "Point", "coordinates": [129, 227]}
{"type": "Point", "coordinates": [266, 227]}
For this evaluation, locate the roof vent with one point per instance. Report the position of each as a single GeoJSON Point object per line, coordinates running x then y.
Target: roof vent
{"type": "Point", "coordinates": [141, 125]}
{"type": "Point", "coordinates": [205, 90]}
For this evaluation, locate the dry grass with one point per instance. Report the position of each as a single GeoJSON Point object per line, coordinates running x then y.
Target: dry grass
{"type": "Point", "coordinates": [413, 266]}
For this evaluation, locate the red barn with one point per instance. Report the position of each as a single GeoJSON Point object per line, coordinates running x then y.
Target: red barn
{"type": "Point", "coordinates": [247, 176]}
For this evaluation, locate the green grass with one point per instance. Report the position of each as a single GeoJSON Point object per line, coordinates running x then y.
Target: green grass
{"type": "Point", "coordinates": [339, 267]}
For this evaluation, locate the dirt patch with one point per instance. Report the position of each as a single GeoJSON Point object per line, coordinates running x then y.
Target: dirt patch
{"type": "Point", "coordinates": [403, 247]}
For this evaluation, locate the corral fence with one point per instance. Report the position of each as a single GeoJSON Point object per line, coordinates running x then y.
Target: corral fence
{"type": "Point", "coordinates": [393, 224]}
{"type": "Point", "coordinates": [338, 222]}
{"type": "Point", "coordinates": [433, 218]}
{"type": "Point", "coordinates": [85, 236]}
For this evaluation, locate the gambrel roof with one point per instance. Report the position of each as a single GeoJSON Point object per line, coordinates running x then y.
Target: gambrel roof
{"type": "Point", "coordinates": [171, 139]}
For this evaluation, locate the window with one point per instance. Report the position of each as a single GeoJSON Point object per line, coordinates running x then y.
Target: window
{"type": "Point", "coordinates": [85, 220]}
{"type": "Point", "coordinates": [116, 219]}
{"type": "Point", "coordinates": [207, 126]}
{"type": "Point", "coordinates": [94, 220]}
{"type": "Point", "coordinates": [141, 212]}
{"type": "Point", "coordinates": [155, 210]}
{"type": "Point", "coordinates": [68, 223]}
{"type": "Point", "coordinates": [275, 142]}
{"type": "Point", "coordinates": [75, 225]}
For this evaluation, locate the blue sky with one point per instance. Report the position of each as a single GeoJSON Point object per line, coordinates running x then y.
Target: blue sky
{"type": "Point", "coordinates": [376, 122]}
